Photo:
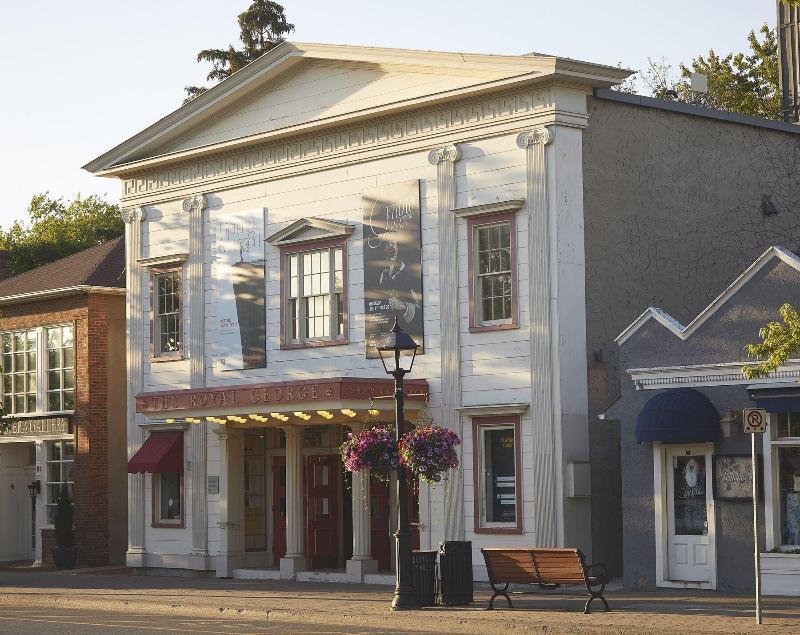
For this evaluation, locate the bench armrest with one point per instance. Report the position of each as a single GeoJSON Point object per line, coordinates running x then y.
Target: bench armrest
{"type": "Point", "coordinates": [599, 571]}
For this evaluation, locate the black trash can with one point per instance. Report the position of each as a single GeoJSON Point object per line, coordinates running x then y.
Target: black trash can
{"type": "Point", "coordinates": [423, 565]}
{"type": "Point", "coordinates": [456, 570]}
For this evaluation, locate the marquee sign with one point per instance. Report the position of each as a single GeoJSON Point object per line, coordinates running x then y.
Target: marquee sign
{"type": "Point", "coordinates": [277, 394]}
{"type": "Point", "coordinates": [39, 426]}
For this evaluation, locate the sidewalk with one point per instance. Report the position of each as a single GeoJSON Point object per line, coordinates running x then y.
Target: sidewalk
{"type": "Point", "coordinates": [307, 604]}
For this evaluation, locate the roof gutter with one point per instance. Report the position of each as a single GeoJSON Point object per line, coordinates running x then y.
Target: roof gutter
{"type": "Point", "coordinates": [58, 293]}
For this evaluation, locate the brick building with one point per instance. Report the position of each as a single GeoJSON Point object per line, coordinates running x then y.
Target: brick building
{"type": "Point", "coordinates": [62, 332]}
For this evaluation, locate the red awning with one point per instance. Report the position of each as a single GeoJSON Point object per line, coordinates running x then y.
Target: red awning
{"type": "Point", "coordinates": [161, 452]}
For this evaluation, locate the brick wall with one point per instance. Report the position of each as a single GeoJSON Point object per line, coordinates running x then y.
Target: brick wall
{"type": "Point", "coordinates": [91, 424]}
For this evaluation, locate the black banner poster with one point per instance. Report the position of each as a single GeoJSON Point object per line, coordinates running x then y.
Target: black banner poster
{"type": "Point", "coordinates": [392, 262]}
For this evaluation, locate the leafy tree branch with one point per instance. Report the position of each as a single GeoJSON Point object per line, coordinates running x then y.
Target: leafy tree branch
{"type": "Point", "coordinates": [780, 341]}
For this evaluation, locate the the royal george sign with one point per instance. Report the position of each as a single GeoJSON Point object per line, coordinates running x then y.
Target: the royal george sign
{"type": "Point", "coordinates": [277, 394]}
{"type": "Point", "coordinates": [39, 426]}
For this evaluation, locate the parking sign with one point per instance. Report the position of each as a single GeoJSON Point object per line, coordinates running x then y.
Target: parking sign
{"type": "Point", "coordinates": [755, 420]}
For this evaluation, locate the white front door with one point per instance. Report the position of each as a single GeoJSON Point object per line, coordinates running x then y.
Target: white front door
{"type": "Point", "coordinates": [689, 504]}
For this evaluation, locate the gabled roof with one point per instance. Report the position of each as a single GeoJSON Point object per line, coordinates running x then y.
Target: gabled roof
{"type": "Point", "coordinates": [490, 72]}
{"type": "Point", "coordinates": [684, 332]}
{"type": "Point", "coordinates": [98, 268]}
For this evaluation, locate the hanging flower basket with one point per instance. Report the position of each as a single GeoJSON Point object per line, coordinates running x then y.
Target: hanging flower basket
{"type": "Point", "coordinates": [372, 449]}
{"type": "Point", "coordinates": [429, 452]}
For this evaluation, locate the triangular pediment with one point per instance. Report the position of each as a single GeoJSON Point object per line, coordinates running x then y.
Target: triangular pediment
{"type": "Point", "coordinates": [310, 230]}
{"type": "Point", "coordinates": [299, 87]}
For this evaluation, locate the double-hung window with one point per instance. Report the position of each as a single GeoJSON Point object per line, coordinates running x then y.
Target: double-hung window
{"type": "Point", "coordinates": [167, 311]}
{"type": "Point", "coordinates": [492, 266]}
{"type": "Point", "coordinates": [497, 475]}
{"type": "Point", "coordinates": [38, 368]}
{"type": "Point", "coordinates": [20, 353]}
{"type": "Point", "coordinates": [314, 296]}
{"type": "Point", "coordinates": [59, 462]}
{"type": "Point", "coordinates": [60, 368]}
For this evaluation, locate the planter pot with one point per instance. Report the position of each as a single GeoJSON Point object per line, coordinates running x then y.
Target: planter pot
{"type": "Point", "coordinates": [64, 557]}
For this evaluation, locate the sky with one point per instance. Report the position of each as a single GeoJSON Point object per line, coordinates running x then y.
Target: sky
{"type": "Point", "coordinates": [83, 75]}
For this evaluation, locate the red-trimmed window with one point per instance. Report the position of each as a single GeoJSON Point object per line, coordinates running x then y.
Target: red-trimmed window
{"type": "Point", "coordinates": [314, 299]}
{"type": "Point", "coordinates": [168, 495]}
{"type": "Point", "coordinates": [492, 247]}
{"type": "Point", "coordinates": [497, 475]}
{"type": "Point", "coordinates": [167, 311]}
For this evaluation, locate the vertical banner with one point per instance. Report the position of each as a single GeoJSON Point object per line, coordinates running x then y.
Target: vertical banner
{"type": "Point", "coordinates": [242, 323]}
{"type": "Point", "coordinates": [392, 262]}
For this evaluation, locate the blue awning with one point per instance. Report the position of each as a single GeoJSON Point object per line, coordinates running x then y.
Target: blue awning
{"type": "Point", "coordinates": [680, 415]}
{"type": "Point", "coordinates": [776, 397]}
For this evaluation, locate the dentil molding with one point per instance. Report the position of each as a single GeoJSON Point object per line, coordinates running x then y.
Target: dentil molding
{"type": "Point", "coordinates": [357, 138]}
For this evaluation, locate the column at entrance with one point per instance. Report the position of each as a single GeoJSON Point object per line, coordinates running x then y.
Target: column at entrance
{"type": "Point", "coordinates": [362, 561]}
{"type": "Point", "coordinates": [231, 508]}
{"type": "Point", "coordinates": [295, 558]}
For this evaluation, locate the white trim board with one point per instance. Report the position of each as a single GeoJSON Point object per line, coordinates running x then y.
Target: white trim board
{"type": "Point", "coordinates": [721, 374]}
{"type": "Point", "coordinates": [685, 332]}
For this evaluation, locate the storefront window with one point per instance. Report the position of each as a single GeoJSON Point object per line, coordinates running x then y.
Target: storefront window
{"type": "Point", "coordinates": [59, 465]}
{"type": "Point", "coordinates": [788, 424]}
{"type": "Point", "coordinates": [168, 498]}
{"type": "Point", "coordinates": [789, 494]}
{"type": "Point", "coordinates": [498, 475]}
{"type": "Point", "coordinates": [255, 485]}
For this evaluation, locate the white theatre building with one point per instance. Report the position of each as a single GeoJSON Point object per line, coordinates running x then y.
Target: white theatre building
{"type": "Point", "coordinates": [275, 225]}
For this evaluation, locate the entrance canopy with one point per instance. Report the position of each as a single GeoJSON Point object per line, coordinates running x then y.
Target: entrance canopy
{"type": "Point", "coordinates": [680, 415]}
{"type": "Point", "coordinates": [337, 400]}
{"type": "Point", "coordinates": [161, 452]}
{"type": "Point", "coordinates": [784, 397]}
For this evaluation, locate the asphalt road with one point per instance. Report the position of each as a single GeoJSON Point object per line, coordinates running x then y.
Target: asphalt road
{"type": "Point", "coordinates": [22, 621]}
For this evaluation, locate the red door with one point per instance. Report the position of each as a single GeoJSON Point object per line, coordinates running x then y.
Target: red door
{"type": "Point", "coordinates": [278, 507]}
{"type": "Point", "coordinates": [322, 523]}
{"type": "Point", "coordinates": [379, 510]}
{"type": "Point", "coordinates": [379, 527]}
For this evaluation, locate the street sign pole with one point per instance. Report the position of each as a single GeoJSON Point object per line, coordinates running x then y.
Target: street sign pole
{"type": "Point", "coordinates": [757, 551]}
{"type": "Point", "coordinates": [755, 422]}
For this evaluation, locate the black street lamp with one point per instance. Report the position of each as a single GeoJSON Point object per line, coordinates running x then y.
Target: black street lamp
{"type": "Point", "coordinates": [396, 344]}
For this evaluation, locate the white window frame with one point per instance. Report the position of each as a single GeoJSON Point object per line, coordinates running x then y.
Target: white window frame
{"type": "Point", "coordinates": [42, 369]}
{"type": "Point", "coordinates": [478, 277]}
{"type": "Point", "coordinates": [167, 522]}
{"type": "Point", "coordinates": [157, 351]}
{"type": "Point", "coordinates": [48, 503]}
{"type": "Point", "coordinates": [302, 338]}
{"type": "Point", "coordinates": [772, 506]}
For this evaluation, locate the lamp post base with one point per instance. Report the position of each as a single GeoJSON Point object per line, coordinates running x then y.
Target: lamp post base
{"type": "Point", "coordinates": [404, 600]}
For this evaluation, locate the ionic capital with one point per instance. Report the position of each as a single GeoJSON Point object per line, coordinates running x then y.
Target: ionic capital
{"type": "Point", "coordinates": [537, 135]}
{"type": "Point", "coordinates": [194, 203]}
{"type": "Point", "coordinates": [133, 214]}
{"type": "Point", "coordinates": [444, 153]}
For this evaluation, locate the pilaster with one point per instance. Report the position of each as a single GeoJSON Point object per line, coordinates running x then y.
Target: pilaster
{"type": "Point", "coordinates": [231, 511]}
{"type": "Point", "coordinates": [195, 206]}
{"type": "Point", "coordinates": [542, 335]}
{"type": "Point", "coordinates": [295, 559]}
{"type": "Point", "coordinates": [444, 158]}
{"type": "Point", "coordinates": [135, 332]}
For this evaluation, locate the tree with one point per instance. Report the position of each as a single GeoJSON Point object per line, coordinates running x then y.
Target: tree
{"type": "Point", "coordinates": [56, 229]}
{"type": "Point", "coordinates": [262, 27]}
{"type": "Point", "coordinates": [780, 341]}
{"type": "Point", "coordinates": [745, 83]}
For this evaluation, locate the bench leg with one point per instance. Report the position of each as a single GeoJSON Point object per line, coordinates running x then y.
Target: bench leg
{"type": "Point", "coordinates": [499, 592]}
{"type": "Point", "coordinates": [595, 596]}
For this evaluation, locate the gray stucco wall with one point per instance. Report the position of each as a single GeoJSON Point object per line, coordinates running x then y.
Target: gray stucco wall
{"type": "Point", "coordinates": [672, 215]}
{"type": "Point", "coordinates": [719, 339]}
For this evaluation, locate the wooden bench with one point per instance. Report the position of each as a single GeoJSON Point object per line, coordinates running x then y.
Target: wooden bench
{"type": "Point", "coordinates": [549, 568]}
